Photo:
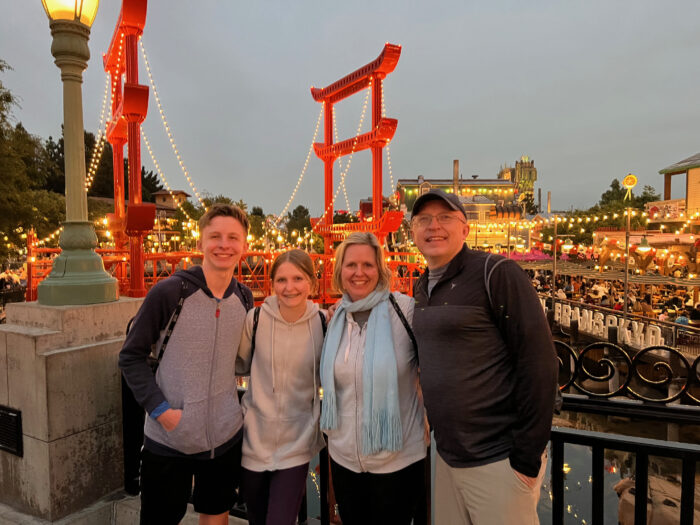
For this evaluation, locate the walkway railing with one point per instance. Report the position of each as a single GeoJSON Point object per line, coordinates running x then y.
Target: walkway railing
{"type": "Point", "coordinates": [253, 270]}
{"type": "Point", "coordinates": [642, 448]}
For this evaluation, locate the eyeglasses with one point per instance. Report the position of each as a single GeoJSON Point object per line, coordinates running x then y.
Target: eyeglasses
{"type": "Point", "coordinates": [443, 219]}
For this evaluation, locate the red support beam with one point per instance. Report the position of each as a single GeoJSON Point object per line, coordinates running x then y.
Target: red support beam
{"type": "Point", "coordinates": [382, 132]}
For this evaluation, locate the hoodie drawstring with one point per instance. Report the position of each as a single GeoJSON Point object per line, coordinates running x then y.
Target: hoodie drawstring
{"type": "Point", "coordinates": [272, 354]}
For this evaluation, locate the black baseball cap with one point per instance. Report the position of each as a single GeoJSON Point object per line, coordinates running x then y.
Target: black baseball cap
{"type": "Point", "coordinates": [448, 198]}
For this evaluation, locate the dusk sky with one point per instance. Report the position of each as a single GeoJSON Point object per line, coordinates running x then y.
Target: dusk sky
{"type": "Point", "coordinates": [591, 90]}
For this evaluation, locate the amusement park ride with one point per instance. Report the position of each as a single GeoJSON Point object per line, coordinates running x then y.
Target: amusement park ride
{"type": "Point", "coordinates": [135, 269]}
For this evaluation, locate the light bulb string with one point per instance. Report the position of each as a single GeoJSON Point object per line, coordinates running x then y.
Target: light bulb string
{"type": "Point", "coordinates": [162, 175]}
{"type": "Point", "coordinates": [173, 145]}
{"type": "Point", "coordinates": [280, 216]}
{"type": "Point", "coordinates": [340, 162]}
{"type": "Point", "coordinates": [349, 162]}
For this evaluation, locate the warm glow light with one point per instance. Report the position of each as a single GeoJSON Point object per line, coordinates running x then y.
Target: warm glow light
{"type": "Point", "coordinates": [644, 245]}
{"type": "Point", "coordinates": [82, 10]}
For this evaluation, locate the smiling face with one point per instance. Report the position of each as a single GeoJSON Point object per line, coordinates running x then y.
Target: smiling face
{"type": "Point", "coordinates": [222, 242]}
{"type": "Point", "coordinates": [359, 273]}
{"type": "Point", "coordinates": [439, 243]}
{"type": "Point", "coordinates": [291, 286]}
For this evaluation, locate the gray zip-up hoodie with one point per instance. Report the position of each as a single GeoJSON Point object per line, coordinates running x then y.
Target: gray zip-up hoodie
{"type": "Point", "coordinates": [281, 407]}
{"type": "Point", "coordinates": [197, 372]}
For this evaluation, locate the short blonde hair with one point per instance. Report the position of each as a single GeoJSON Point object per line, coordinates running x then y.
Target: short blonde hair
{"type": "Point", "coordinates": [223, 210]}
{"type": "Point", "coordinates": [301, 260]}
{"type": "Point", "coordinates": [366, 239]}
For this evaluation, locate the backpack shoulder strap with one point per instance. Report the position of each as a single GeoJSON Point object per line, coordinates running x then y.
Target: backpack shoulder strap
{"type": "Point", "coordinates": [173, 319]}
{"type": "Point", "coordinates": [256, 319]}
{"type": "Point", "coordinates": [248, 302]}
{"type": "Point", "coordinates": [324, 323]}
{"type": "Point", "coordinates": [487, 279]}
{"type": "Point", "coordinates": [405, 324]}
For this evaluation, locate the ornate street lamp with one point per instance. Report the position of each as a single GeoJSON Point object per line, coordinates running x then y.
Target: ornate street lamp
{"type": "Point", "coordinates": [78, 275]}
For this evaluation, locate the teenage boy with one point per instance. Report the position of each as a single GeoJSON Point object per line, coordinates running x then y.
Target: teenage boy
{"type": "Point", "coordinates": [194, 427]}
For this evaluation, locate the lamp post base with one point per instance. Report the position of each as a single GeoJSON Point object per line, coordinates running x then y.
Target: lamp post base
{"type": "Point", "coordinates": [78, 275]}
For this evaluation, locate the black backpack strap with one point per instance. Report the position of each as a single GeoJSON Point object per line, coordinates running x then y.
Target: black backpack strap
{"type": "Point", "coordinates": [324, 323]}
{"type": "Point", "coordinates": [173, 319]}
{"type": "Point", "coordinates": [487, 279]}
{"type": "Point", "coordinates": [496, 311]}
{"type": "Point", "coordinates": [248, 302]}
{"type": "Point", "coordinates": [407, 326]}
{"type": "Point", "coordinates": [256, 318]}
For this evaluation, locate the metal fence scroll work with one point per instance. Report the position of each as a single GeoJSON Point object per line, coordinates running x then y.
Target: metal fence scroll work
{"type": "Point", "coordinates": [656, 374]}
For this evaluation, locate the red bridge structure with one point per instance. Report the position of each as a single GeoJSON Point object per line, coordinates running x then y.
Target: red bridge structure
{"type": "Point", "coordinates": [137, 270]}
{"type": "Point", "coordinates": [383, 129]}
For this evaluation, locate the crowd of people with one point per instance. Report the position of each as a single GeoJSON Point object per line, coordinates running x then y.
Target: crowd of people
{"type": "Point", "coordinates": [470, 359]}
{"type": "Point", "coordinates": [665, 303]}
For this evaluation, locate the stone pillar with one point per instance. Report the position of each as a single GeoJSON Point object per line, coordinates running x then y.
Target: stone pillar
{"type": "Point", "coordinates": [58, 366]}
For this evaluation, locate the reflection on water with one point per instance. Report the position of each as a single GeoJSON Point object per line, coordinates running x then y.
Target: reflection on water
{"type": "Point", "coordinates": [577, 488]}
{"type": "Point", "coordinates": [663, 507]}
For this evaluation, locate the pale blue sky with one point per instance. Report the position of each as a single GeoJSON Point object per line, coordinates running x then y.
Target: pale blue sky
{"type": "Point", "coordinates": [591, 90]}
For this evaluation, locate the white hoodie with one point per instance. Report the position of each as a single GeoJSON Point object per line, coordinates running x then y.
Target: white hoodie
{"type": "Point", "coordinates": [281, 408]}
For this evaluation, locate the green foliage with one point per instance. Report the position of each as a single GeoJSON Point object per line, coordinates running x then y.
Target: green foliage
{"type": "Point", "coordinates": [608, 213]}
{"type": "Point", "coordinates": [344, 218]}
{"type": "Point", "coordinates": [614, 196]}
{"type": "Point", "coordinates": [22, 165]}
{"type": "Point", "coordinates": [298, 220]}
{"type": "Point", "coordinates": [528, 204]}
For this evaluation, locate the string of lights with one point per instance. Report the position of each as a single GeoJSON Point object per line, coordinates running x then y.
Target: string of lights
{"type": "Point", "coordinates": [280, 216]}
{"type": "Point", "coordinates": [98, 147]}
{"type": "Point", "coordinates": [167, 126]}
{"type": "Point", "coordinates": [349, 162]}
{"type": "Point", "coordinates": [162, 175]}
{"type": "Point", "coordinates": [340, 163]}
{"type": "Point", "coordinates": [393, 195]}
{"type": "Point", "coordinates": [50, 237]}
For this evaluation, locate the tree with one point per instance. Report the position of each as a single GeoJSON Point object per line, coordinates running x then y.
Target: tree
{"type": "Point", "coordinates": [528, 204]}
{"type": "Point", "coordinates": [297, 220]}
{"type": "Point", "coordinates": [344, 218]}
{"type": "Point", "coordinates": [18, 179]}
{"type": "Point", "coordinates": [256, 218]}
{"type": "Point", "coordinates": [103, 181]}
{"type": "Point", "coordinates": [614, 196]}
{"type": "Point", "coordinates": [648, 195]}
{"type": "Point", "coordinates": [149, 185]}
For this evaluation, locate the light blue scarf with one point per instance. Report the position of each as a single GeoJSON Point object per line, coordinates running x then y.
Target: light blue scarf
{"type": "Point", "coordinates": [381, 419]}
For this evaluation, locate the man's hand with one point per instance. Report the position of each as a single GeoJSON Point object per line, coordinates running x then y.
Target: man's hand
{"type": "Point", "coordinates": [332, 309]}
{"type": "Point", "coordinates": [170, 419]}
{"type": "Point", "coordinates": [530, 482]}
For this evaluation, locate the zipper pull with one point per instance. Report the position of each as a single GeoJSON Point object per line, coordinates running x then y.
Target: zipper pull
{"type": "Point", "coordinates": [217, 310]}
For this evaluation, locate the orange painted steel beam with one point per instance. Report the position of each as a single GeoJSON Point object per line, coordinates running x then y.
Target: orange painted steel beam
{"type": "Point", "coordinates": [131, 21]}
{"type": "Point", "coordinates": [390, 222]}
{"type": "Point", "coordinates": [356, 81]}
{"type": "Point", "coordinates": [377, 138]}
{"type": "Point", "coordinates": [129, 109]}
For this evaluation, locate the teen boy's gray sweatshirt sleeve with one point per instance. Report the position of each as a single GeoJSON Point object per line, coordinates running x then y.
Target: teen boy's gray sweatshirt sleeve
{"type": "Point", "coordinates": [151, 319]}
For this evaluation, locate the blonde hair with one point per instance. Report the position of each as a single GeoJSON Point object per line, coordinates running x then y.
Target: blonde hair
{"type": "Point", "coordinates": [366, 239]}
{"type": "Point", "coordinates": [223, 210]}
{"type": "Point", "coordinates": [302, 262]}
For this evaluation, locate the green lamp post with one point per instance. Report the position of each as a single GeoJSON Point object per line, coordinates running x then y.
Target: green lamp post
{"type": "Point", "coordinates": [78, 275]}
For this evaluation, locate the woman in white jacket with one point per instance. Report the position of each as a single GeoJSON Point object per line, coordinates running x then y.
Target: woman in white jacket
{"type": "Point", "coordinates": [281, 407]}
{"type": "Point", "coordinates": [372, 408]}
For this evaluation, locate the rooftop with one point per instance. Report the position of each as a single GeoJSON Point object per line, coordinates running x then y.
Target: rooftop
{"type": "Point", "coordinates": [683, 165]}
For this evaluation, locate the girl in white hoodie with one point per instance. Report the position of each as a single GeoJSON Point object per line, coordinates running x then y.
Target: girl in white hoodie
{"type": "Point", "coordinates": [281, 408]}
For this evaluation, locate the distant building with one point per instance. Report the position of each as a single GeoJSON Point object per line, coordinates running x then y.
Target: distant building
{"type": "Point", "coordinates": [523, 176]}
{"type": "Point", "coordinates": [689, 167]}
{"type": "Point", "coordinates": [170, 199]}
{"type": "Point", "coordinates": [499, 192]}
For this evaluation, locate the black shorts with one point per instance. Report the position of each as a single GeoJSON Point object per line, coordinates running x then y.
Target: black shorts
{"type": "Point", "coordinates": [166, 485]}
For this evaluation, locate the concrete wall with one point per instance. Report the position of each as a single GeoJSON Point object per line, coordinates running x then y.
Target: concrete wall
{"type": "Point", "coordinates": [58, 365]}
